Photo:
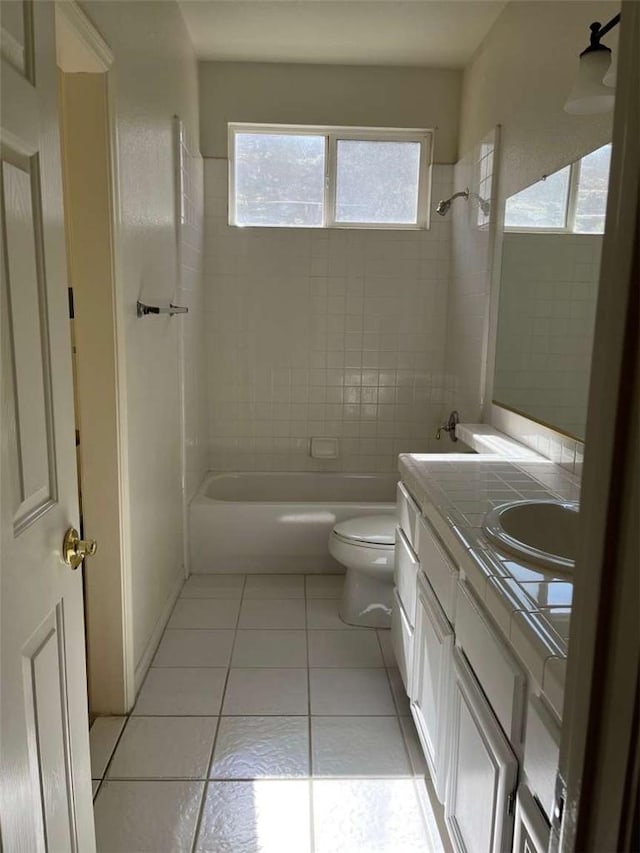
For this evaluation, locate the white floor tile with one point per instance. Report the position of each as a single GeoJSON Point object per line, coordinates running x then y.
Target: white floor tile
{"type": "Point", "coordinates": [261, 748]}
{"type": "Point", "coordinates": [103, 736]}
{"type": "Point", "coordinates": [323, 613]}
{"type": "Point", "coordinates": [213, 586]}
{"type": "Point", "coordinates": [164, 748]}
{"type": "Point", "coordinates": [173, 691]}
{"type": "Point", "coordinates": [275, 613]}
{"type": "Point", "coordinates": [381, 815]}
{"type": "Point", "coordinates": [399, 693]}
{"type": "Point", "coordinates": [270, 648]}
{"type": "Point", "coordinates": [350, 691]}
{"type": "Point", "coordinates": [147, 817]}
{"type": "Point", "coordinates": [274, 586]}
{"type": "Point", "coordinates": [194, 648]}
{"type": "Point", "coordinates": [256, 817]}
{"type": "Point", "coordinates": [384, 636]}
{"type": "Point", "coordinates": [207, 613]}
{"type": "Point", "coordinates": [358, 747]}
{"type": "Point", "coordinates": [344, 648]}
{"type": "Point", "coordinates": [266, 691]}
{"type": "Point", "coordinates": [324, 586]}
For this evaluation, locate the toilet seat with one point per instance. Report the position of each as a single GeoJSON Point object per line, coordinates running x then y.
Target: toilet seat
{"type": "Point", "coordinates": [371, 531]}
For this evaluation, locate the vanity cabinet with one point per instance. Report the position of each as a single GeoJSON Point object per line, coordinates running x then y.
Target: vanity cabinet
{"type": "Point", "coordinates": [483, 770]}
{"type": "Point", "coordinates": [433, 645]}
{"type": "Point", "coordinates": [468, 697]}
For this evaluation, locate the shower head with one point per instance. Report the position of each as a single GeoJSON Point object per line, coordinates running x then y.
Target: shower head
{"type": "Point", "coordinates": [445, 204]}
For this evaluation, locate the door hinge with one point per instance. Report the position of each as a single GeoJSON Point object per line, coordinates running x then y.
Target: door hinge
{"type": "Point", "coordinates": [511, 803]}
{"type": "Point", "coordinates": [72, 312]}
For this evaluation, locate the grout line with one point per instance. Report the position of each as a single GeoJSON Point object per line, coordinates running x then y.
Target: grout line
{"type": "Point", "coordinates": [205, 787]}
{"type": "Point", "coordinates": [310, 749]}
{"type": "Point", "coordinates": [331, 777]}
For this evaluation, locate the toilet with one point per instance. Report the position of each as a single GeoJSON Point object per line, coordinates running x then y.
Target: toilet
{"type": "Point", "coordinates": [366, 547]}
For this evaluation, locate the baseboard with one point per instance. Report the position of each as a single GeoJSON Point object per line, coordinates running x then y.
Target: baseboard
{"type": "Point", "coordinates": [156, 635]}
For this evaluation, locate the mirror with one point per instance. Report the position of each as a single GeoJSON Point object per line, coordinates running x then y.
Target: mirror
{"type": "Point", "coordinates": [548, 291]}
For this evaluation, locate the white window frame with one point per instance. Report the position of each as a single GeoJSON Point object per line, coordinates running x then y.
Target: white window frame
{"type": "Point", "coordinates": [332, 135]}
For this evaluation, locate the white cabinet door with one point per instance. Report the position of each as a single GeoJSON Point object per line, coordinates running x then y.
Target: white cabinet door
{"type": "Point", "coordinates": [433, 643]}
{"type": "Point", "coordinates": [45, 783]}
{"type": "Point", "coordinates": [532, 830]}
{"type": "Point", "coordinates": [482, 770]}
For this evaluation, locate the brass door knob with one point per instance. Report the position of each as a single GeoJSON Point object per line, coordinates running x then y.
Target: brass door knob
{"type": "Point", "coordinates": [75, 549]}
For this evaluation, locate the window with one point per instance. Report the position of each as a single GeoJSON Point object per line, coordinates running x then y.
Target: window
{"type": "Point", "coordinates": [307, 177]}
{"type": "Point", "coordinates": [573, 199]}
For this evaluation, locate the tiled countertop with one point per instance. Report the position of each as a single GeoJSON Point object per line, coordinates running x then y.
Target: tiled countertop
{"type": "Point", "coordinates": [455, 491]}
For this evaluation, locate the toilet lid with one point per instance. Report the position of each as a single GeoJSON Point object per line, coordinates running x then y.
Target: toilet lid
{"type": "Point", "coordinates": [373, 529]}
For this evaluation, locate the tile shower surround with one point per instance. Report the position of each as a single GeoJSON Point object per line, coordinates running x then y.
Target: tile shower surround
{"type": "Point", "coordinates": [323, 332]}
{"type": "Point", "coordinates": [283, 740]}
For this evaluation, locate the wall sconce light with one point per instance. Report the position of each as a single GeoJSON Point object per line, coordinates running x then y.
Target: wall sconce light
{"type": "Point", "coordinates": [593, 91]}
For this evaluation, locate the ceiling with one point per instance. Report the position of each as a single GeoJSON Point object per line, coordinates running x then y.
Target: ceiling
{"type": "Point", "coordinates": [436, 33]}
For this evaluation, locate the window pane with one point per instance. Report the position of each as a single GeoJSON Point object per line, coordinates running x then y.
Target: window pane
{"type": "Point", "coordinates": [279, 179]}
{"type": "Point", "coordinates": [542, 205]}
{"type": "Point", "coordinates": [593, 184]}
{"type": "Point", "coordinates": [377, 182]}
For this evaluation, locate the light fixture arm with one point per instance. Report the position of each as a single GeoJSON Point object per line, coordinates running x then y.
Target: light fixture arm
{"type": "Point", "coordinates": [598, 31]}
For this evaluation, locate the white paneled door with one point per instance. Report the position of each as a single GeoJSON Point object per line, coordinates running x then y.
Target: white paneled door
{"type": "Point", "coordinates": [44, 746]}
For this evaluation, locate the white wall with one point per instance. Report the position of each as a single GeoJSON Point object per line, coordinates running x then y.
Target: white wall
{"type": "Point", "coordinates": [156, 76]}
{"type": "Point", "coordinates": [548, 296]}
{"type": "Point", "coordinates": [328, 95]}
{"type": "Point", "coordinates": [323, 332]}
{"type": "Point", "coordinates": [520, 78]}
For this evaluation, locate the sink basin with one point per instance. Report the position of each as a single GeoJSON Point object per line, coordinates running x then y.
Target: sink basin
{"type": "Point", "coordinates": [544, 533]}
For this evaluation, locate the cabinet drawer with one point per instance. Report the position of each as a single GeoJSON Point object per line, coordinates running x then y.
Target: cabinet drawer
{"type": "Point", "coordinates": [498, 672]}
{"type": "Point", "coordinates": [402, 642]}
{"type": "Point", "coordinates": [440, 571]}
{"type": "Point", "coordinates": [541, 754]}
{"type": "Point", "coordinates": [405, 574]}
{"type": "Point", "coordinates": [408, 514]}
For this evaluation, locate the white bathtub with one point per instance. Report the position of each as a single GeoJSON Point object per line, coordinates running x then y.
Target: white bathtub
{"type": "Point", "coordinates": [279, 522]}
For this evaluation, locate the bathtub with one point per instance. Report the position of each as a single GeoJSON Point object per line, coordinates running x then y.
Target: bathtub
{"type": "Point", "coordinates": [279, 522]}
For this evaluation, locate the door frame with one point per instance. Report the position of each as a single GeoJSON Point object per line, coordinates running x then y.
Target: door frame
{"type": "Point", "coordinates": [599, 760]}
{"type": "Point", "coordinates": [108, 581]}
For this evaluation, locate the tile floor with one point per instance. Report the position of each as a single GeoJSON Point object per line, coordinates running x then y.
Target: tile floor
{"type": "Point", "coordinates": [265, 725]}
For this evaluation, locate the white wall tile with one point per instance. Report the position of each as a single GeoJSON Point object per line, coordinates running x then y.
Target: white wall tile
{"type": "Point", "coordinates": [338, 333]}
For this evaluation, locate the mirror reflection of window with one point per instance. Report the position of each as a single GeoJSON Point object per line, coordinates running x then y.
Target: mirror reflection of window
{"type": "Point", "coordinates": [572, 200]}
{"type": "Point", "coordinates": [591, 198]}
{"type": "Point", "coordinates": [542, 205]}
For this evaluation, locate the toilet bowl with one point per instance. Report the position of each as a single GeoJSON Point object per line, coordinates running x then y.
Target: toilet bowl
{"type": "Point", "coordinates": [366, 547]}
